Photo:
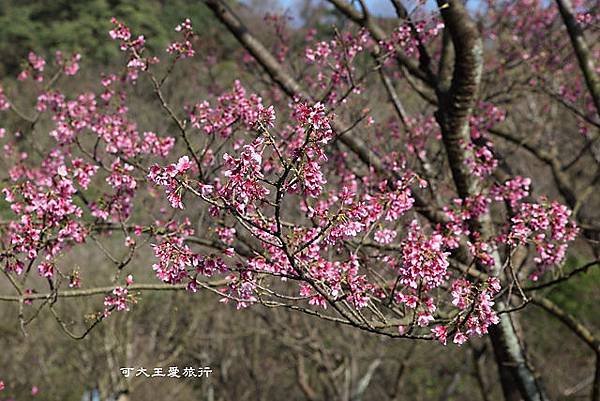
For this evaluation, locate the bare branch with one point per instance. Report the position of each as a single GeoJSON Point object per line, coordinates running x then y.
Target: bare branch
{"type": "Point", "coordinates": [105, 290]}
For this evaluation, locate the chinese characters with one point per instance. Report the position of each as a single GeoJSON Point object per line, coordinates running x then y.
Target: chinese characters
{"type": "Point", "coordinates": [172, 372]}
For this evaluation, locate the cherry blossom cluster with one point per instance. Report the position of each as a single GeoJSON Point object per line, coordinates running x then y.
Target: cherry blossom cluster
{"type": "Point", "coordinates": [512, 191]}
{"type": "Point", "coordinates": [70, 66]}
{"type": "Point", "coordinates": [4, 103]}
{"type": "Point", "coordinates": [475, 303]}
{"type": "Point", "coordinates": [410, 35]}
{"type": "Point", "coordinates": [547, 226]}
{"type": "Point", "coordinates": [244, 187]}
{"type": "Point", "coordinates": [424, 261]}
{"type": "Point", "coordinates": [421, 130]}
{"type": "Point", "coordinates": [184, 48]}
{"type": "Point", "coordinates": [482, 163]}
{"type": "Point", "coordinates": [49, 217]}
{"type": "Point", "coordinates": [35, 68]}
{"type": "Point", "coordinates": [178, 263]}
{"type": "Point", "coordinates": [233, 108]}
{"type": "Point", "coordinates": [167, 178]}
{"type": "Point", "coordinates": [134, 47]}
{"type": "Point", "coordinates": [488, 115]}
{"type": "Point", "coordinates": [314, 131]}
{"type": "Point", "coordinates": [241, 288]}
{"type": "Point", "coordinates": [159, 146]}
{"type": "Point", "coordinates": [120, 298]}
{"type": "Point", "coordinates": [334, 64]}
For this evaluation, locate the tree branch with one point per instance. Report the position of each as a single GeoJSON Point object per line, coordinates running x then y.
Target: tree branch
{"type": "Point", "coordinates": [105, 290]}
{"type": "Point", "coordinates": [584, 56]}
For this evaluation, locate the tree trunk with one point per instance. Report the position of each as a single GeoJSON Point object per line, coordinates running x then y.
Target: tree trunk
{"type": "Point", "coordinates": [517, 380]}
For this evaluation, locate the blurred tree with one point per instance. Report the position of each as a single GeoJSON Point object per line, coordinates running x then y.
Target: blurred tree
{"type": "Point", "coordinates": [81, 25]}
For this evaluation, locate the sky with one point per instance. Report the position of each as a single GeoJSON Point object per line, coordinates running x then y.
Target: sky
{"type": "Point", "coordinates": [381, 8]}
